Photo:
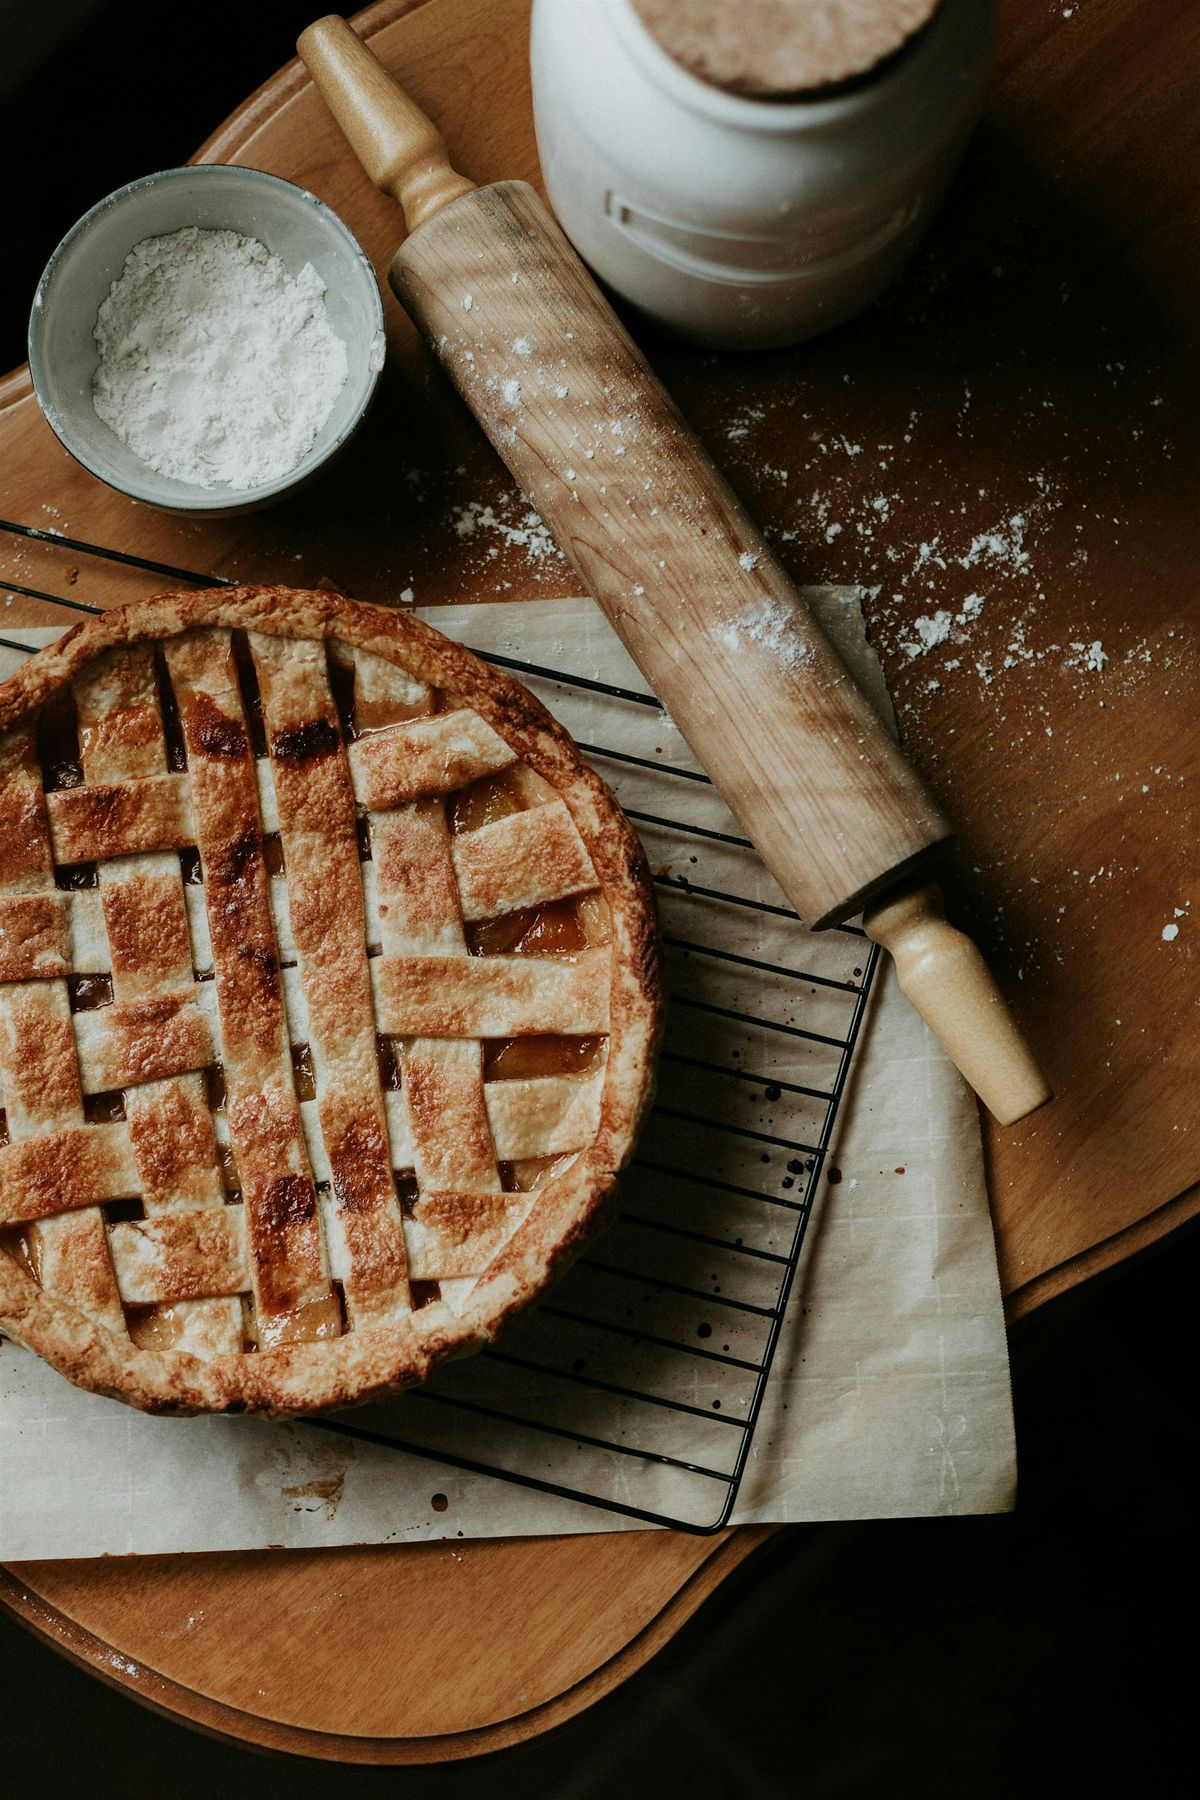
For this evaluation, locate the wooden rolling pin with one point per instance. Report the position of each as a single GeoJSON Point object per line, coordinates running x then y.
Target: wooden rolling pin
{"type": "Point", "coordinates": [668, 550]}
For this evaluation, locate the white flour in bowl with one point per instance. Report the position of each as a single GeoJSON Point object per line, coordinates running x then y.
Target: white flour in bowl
{"type": "Point", "coordinates": [216, 366]}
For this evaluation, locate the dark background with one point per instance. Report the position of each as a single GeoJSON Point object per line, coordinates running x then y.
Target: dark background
{"type": "Point", "coordinates": [1046, 1653]}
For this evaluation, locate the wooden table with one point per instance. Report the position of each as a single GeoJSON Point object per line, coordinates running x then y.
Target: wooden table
{"type": "Point", "coordinates": [1012, 423]}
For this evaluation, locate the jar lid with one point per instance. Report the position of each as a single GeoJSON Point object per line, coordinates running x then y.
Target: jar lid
{"type": "Point", "coordinates": [771, 49]}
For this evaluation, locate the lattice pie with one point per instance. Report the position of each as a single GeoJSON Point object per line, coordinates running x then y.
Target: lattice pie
{"type": "Point", "coordinates": [328, 1001]}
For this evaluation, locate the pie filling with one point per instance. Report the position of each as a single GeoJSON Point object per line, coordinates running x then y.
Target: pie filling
{"type": "Point", "coordinates": [352, 1225]}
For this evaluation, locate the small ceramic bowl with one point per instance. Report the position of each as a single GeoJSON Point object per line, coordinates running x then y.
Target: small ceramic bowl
{"type": "Point", "coordinates": [293, 224]}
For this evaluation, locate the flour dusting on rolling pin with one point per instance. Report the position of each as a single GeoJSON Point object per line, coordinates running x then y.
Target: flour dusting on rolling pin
{"type": "Point", "coordinates": [216, 365]}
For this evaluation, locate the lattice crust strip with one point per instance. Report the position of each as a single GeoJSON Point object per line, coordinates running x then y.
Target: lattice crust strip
{"type": "Point", "coordinates": [160, 1031]}
{"type": "Point", "coordinates": [243, 1008]}
{"type": "Point", "coordinates": [318, 829]}
{"type": "Point", "coordinates": [39, 1077]}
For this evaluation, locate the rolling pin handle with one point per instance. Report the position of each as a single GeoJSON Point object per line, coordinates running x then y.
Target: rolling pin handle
{"type": "Point", "coordinates": [401, 149]}
{"type": "Point", "coordinates": [944, 976]}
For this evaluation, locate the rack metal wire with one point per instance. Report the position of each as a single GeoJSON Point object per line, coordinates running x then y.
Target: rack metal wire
{"type": "Point", "coordinates": [637, 1387]}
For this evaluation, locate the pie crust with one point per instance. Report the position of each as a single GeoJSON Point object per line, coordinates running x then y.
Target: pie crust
{"type": "Point", "coordinates": [329, 999]}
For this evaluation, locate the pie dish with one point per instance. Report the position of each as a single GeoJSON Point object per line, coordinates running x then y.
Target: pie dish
{"type": "Point", "coordinates": [329, 998]}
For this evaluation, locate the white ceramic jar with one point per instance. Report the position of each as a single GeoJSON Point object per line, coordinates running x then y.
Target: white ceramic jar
{"type": "Point", "coordinates": [746, 223]}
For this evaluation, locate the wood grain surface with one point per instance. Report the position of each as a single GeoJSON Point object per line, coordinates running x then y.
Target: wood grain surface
{"type": "Point", "coordinates": [306, 1653]}
{"type": "Point", "coordinates": [1013, 422]}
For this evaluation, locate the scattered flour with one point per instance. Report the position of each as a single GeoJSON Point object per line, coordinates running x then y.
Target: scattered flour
{"type": "Point", "coordinates": [1004, 545]}
{"type": "Point", "coordinates": [913, 579]}
{"type": "Point", "coordinates": [930, 633]}
{"type": "Point", "coordinates": [739, 427]}
{"type": "Point", "coordinates": [528, 534]}
{"type": "Point", "coordinates": [216, 366]}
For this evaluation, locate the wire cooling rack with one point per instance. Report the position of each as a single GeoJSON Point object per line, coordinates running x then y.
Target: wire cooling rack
{"type": "Point", "coordinates": [637, 1386]}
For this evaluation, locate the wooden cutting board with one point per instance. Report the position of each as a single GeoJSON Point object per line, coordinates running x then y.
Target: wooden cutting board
{"type": "Point", "coordinates": [1011, 424]}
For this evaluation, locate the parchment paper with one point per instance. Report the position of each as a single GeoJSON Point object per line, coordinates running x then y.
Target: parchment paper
{"type": "Point", "coordinates": [889, 1394]}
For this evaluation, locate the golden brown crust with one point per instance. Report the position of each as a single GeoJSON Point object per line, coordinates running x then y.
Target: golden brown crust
{"type": "Point", "coordinates": [33, 936]}
{"type": "Point", "coordinates": [100, 820]}
{"type": "Point", "coordinates": [298, 1377]}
